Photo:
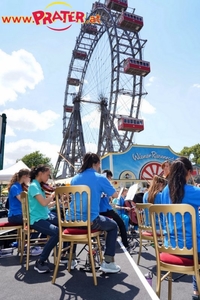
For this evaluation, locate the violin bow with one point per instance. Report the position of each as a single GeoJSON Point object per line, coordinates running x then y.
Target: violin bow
{"type": "Point", "coordinates": [66, 160]}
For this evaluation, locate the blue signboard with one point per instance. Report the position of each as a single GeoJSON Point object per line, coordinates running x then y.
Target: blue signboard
{"type": "Point", "coordinates": [138, 162]}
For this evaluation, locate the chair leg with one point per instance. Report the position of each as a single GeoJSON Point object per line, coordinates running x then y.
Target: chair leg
{"type": "Point", "coordinates": [28, 252]}
{"type": "Point", "coordinates": [19, 233]}
{"type": "Point", "coordinates": [22, 247]}
{"type": "Point", "coordinates": [57, 263]}
{"type": "Point", "coordinates": [170, 286]}
{"type": "Point", "coordinates": [140, 250]}
{"type": "Point", "coordinates": [92, 263]}
{"type": "Point", "coordinates": [70, 256]}
{"type": "Point", "coordinates": [99, 249]}
{"type": "Point", "coordinates": [158, 282]}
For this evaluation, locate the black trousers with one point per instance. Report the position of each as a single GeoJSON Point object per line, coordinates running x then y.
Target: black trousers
{"type": "Point", "coordinates": [112, 214]}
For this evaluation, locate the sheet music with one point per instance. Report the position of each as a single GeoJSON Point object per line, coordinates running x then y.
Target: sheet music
{"type": "Point", "coordinates": [132, 191]}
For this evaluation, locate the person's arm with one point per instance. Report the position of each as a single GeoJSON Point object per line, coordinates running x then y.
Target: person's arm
{"type": "Point", "coordinates": [115, 195]}
{"type": "Point", "coordinates": [45, 201]}
{"type": "Point", "coordinates": [19, 197]}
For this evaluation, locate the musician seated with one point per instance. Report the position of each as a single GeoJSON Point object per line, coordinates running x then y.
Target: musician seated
{"type": "Point", "coordinates": [121, 209]}
{"type": "Point", "coordinates": [107, 210]}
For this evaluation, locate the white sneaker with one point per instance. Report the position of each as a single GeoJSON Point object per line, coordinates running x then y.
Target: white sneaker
{"type": "Point", "coordinates": [35, 251]}
{"type": "Point", "coordinates": [73, 264]}
{"type": "Point", "coordinates": [109, 267]}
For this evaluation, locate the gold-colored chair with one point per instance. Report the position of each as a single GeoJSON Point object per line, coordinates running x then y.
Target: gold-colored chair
{"type": "Point", "coordinates": [171, 219]}
{"type": "Point", "coordinates": [10, 231]}
{"type": "Point", "coordinates": [77, 229]}
{"type": "Point", "coordinates": [144, 226]}
{"type": "Point", "coordinates": [27, 231]}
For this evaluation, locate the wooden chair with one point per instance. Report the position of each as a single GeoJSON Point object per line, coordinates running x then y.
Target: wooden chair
{"type": "Point", "coordinates": [144, 226]}
{"type": "Point", "coordinates": [77, 229]}
{"type": "Point", "coordinates": [171, 219]}
{"type": "Point", "coordinates": [10, 231]}
{"type": "Point", "coordinates": [27, 231]}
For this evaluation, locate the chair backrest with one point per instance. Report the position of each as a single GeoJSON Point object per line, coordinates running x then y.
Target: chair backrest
{"type": "Point", "coordinates": [177, 226]}
{"type": "Point", "coordinates": [25, 210]}
{"type": "Point", "coordinates": [143, 216]}
{"type": "Point", "coordinates": [73, 206]}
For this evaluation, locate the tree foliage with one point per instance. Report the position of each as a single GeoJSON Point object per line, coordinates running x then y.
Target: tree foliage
{"type": "Point", "coordinates": [36, 158]}
{"type": "Point", "coordinates": [193, 153]}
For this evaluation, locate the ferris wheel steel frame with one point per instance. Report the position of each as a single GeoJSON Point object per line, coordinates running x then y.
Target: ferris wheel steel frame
{"type": "Point", "coordinates": [123, 44]}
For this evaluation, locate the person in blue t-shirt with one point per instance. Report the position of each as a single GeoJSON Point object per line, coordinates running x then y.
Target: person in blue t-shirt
{"type": "Point", "coordinates": [178, 191]}
{"type": "Point", "coordinates": [107, 210]}
{"type": "Point", "coordinates": [98, 183]}
{"type": "Point", "coordinates": [15, 189]}
{"type": "Point", "coordinates": [121, 209]}
{"type": "Point", "coordinates": [153, 196]}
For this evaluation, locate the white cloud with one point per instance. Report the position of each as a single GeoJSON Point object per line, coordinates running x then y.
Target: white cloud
{"type": "Point", "coordinates": [150, 80]}
{"type": "Point", "coordinates": [197, 85]}
{"type": "Point", "coordinates": [147, 108]}
{"type": "Point", "coordinates": [19, 71]}
{"type": "Point", "coordinates": [28, 120]}
{"type": "Point", "coordinates": [17, 150]}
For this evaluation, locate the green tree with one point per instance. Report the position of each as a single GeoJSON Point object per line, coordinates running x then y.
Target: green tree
{"type": "Point", "coordinates": [193, 153]}
{"type": "Point", "coordinates": [36, 158]}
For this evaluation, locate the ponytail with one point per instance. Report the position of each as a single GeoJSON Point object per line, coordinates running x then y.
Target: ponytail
{"type": "Point", "coordinates": [88, 160]}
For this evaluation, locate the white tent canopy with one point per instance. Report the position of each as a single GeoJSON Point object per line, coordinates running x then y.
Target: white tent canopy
{"type": "Point", "coordinates": [6, 174]}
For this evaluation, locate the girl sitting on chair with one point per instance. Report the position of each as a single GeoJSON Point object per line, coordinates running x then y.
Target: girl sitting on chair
{"type": "Point", "coordinates": [178, 191]}
{"type": "Point", "coordinates": [15, 189]}
{"type": "Point", "coordinates": [40, 217]}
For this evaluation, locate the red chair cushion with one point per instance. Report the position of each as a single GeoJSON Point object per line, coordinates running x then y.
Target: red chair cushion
{"type": "Point", "coordinates": [7, 224]}
{"type": "Point", "coordinates": [176, 259]}
{"type": "Point", "coordinates": [147, 233]}
{"type": "Point", "coordinates": [77, 231]}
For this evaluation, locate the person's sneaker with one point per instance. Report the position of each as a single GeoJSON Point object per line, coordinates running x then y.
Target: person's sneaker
{"type": "Point", "coordinates": [109, 267]}
{"type": "Point", "coordinates": [63, 260]}
{"type": "Point", "coordinates": [73, 264]}
{"type": "Point", "coordinates": [41, 267]}
{"type": "Point", "coordinates": [35, 251]}
{"type": "Point", "coordinates": [6, 252]}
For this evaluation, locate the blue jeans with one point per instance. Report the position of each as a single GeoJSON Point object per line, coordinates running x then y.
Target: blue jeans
{"type": "Point", "coordinates": [110, 226]}
{"type": "Point", "coordinates": [16, 219]}
{"type": "Point", "coordinates": [48, 227]}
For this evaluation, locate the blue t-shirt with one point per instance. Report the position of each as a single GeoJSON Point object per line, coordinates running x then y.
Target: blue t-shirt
{"type": "Point", "coordinates": [105, 204]}
{"type": "Point", "coordinates": [157, 200]}
{"type": "Point", "coordinates": [192, 197]}
{"type": "Point", "coordinates": [120, 202]}
{"type": "Point", "coordinates": [98, 184]}
{"type": "Point", "coordinates": [15, 206]}
{"type": "Point", "coordinates": [36, 210]}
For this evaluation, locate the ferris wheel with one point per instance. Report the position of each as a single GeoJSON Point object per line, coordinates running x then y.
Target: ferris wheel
{"type": "Point", "coordinates": [104, 86]}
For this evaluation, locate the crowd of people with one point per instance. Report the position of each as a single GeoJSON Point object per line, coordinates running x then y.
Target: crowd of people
{"type": "Point", "coordinates": [108, 210]}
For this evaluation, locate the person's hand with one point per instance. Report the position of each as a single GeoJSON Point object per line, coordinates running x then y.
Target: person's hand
{"type": "Point", "coordinates": [127, 208]}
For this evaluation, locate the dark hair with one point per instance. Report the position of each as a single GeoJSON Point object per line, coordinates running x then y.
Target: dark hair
{"type": "Point", "coordinates": [88, 160]}
{"type": "Point", "coordinates": [36, 170]}
{"type": "Point", "coordinates": [177, 178]}
{"type": "Point", "coordinates": [108, 173]}
{"type": "Point", "coordinates": [17, 176]}
{"type": "Point", "coordinates": [154, 188]}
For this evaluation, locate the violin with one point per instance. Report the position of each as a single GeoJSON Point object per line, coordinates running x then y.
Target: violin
{"type": "Point", "coordinates": [47, 188]}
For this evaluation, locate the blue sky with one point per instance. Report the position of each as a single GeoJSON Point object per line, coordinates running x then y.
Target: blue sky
{"type": "Point", "coordinates": [34, 63]}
